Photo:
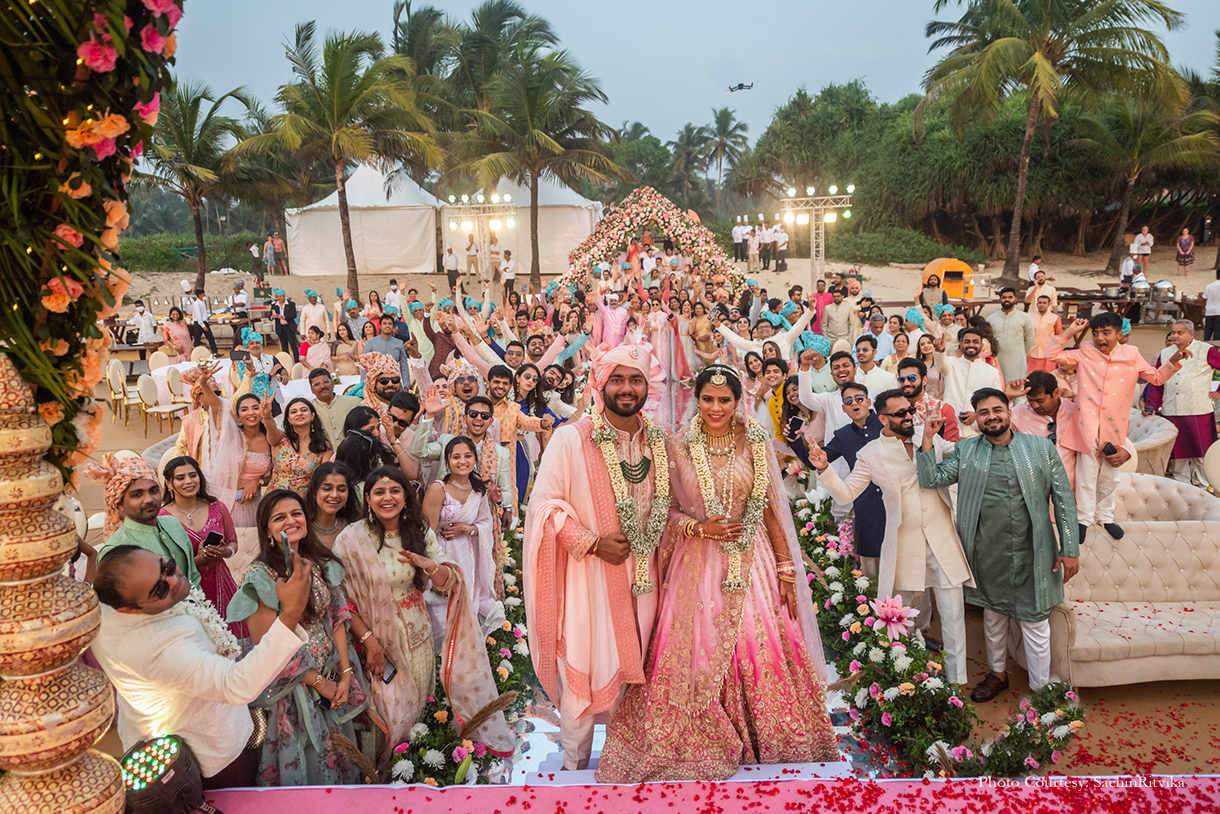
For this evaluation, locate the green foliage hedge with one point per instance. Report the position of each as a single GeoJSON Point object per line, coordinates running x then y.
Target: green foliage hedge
{"type": "Point", "coordinates": [156, 252]}
{"type": "Point", "coordinates": [892, 245]}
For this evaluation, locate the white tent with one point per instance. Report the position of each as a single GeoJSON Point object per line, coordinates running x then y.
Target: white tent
{"type": "Point", "coordinates": [394, 235]}
{"type": "Point", "coordinates": [565, 219]}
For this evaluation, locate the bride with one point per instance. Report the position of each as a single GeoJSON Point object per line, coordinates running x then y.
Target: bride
{"type": "Point", "coordinates": [735, 672]}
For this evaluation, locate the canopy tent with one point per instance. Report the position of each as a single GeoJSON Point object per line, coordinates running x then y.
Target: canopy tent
{"type": "Point", "coordinates": [565, 219]}
{"type": "Point", "coordinates": [390, 235]}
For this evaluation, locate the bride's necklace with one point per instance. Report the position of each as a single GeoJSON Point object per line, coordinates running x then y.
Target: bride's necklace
{"type": "Point", "coordinates": [723, 445]}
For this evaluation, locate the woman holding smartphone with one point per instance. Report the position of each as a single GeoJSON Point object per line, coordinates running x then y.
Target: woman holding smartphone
{"type": "Point", "coordinates": [390, 558]}
{"type": "Point", "coordinates": [210, 529]}
{"type": "Point", "coordinates": [322, 689]}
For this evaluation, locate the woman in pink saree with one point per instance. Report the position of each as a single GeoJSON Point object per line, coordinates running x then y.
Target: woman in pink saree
{"type": "Point", "coordinates": [735, 672]}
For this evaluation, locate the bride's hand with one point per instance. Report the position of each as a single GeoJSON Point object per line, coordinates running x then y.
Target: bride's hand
{"type": "Point", "coordinates": [787, 595]}
{"type": "Point", "coordinates": [721, 527]}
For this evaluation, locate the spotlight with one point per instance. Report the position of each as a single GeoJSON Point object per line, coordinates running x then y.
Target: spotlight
{"type": "Point", "coordinates": [465, 199]}
{"type": "Point", "coordinates": [467, 226]}
{"type": "Point", "coordinates": [847, 215]}
{"type": "Point", "coordinates": [495, 197]}
{"type": "Point", "coordinates": [452, 199]}
{"type": "Point", "coordinates": [810, 190]}
{"type": "Point", "coordinates": [511, 223]}
{"type": "Point", "coordinates": [791, 192]}
{"type": "Point", "coordinates": [789, 217]}
{"type": "Point", "coordinates": [479, 197]}
{"type": "Point", "coordinates": [452, 225]}
{"type": "Point", "coordinates": [831, 217]}
{"type": "Point", "coordinates": [495, 225]}
{"type": "Point", "coordinates": [802, 219]}
{"type": "Point", "coordinates": [834, 190]}
{"type": "Point", "coordinates": [851, 188]}
{"type": "Point", "coordinates": [508, 198]}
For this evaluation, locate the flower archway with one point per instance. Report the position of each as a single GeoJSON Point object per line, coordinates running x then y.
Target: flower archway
{"type": "Point", "coordinates": [623, 221]}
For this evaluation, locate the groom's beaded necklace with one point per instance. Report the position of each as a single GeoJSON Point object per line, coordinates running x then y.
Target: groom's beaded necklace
{"type": "Point", "coordinates": [635, 473]}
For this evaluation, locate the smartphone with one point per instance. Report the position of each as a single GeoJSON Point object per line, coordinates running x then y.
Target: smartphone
{"type": "Point", "coordinates": [388, 672]}
{"type": "Point", "coordinates": [240, 356]}
{"type": "Point", "coordinates": [240, 493]}
{"type": "Point", "coordinates": [1109, 449]}
{"type": "Point", "coordinates": [287, 553]}
{"type": "Point", "coordinates": [214, 538]}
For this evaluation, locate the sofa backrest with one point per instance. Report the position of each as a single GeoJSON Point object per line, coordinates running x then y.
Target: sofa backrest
{"type": "Point", "coordinates": [1143, 498]}
{"type": "Point", "coordinates": [1153, 562]}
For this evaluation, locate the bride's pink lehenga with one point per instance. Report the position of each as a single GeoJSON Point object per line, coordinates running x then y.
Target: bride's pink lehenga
{"type": "Point", "coordinates": [729, 679]}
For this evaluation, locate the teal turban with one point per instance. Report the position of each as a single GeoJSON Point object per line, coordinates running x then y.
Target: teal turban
{"type": "Point", "coordinates": [915, 315]}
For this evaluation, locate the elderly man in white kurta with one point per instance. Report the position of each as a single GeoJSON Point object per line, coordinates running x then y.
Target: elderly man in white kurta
{"type": "Point", "coordinates": [921, 550]}
{"type": "Point", "coordinates": [964, 374]}
{"type": "Point", "coordinates": [1014, 330]}
{"type": "Point", "coordinates": [1186, 401]}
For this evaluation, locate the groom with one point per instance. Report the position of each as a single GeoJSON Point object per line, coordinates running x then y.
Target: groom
{"type": "Point", "coordinates": [587, 633]}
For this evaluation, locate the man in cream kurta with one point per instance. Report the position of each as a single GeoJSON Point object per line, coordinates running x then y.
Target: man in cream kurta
{"type": "Point", "coordinates": [1014, 330]}
{"type": "Point", "coordinates": [964, 374]}
{"type": "Point", "coordinates": [839, 320]}
{"type": "Point", "coordinates": [587, 633]}
{"type": "Point", "coordinates": [921, 551]}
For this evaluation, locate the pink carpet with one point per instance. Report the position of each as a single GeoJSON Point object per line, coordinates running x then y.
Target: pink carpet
{"type": "Point", "coordinates": [1069, 795]}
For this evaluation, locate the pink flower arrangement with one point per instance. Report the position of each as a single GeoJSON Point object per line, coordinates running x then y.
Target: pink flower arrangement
{"type": "Point", "coordinates": [874, 691]}
{"type": "Point", "coordinates": [519, 633]}
{"type": "Point", "coordinates": [148, 111]}
{"type": "Point", "coordinates": [1055, 755]}
{"type": "Point", "coordinates": [955, 701]}
{"type": "Point", "coordinates": [69, 235]}
{"type": "Point", "coordinates": [402, 747]}
{"type": "Point", "coordinates": [887, 719]}
{"type": "Point", "coordinates": [98, 56]}
{"type": "Point", "coordinates": [960, 753]}
{"type": "Point", "coordinates": [1072, 696]}
{"type": "Point", "coordinates": [854, 667]}
{"type": "Point", "coordinates": [1031, 763]}
{"type": "Point", "coordinates": [460, 753]}
{"type": "Point", "coordinates": [893, 617]}
{"type": "Point", "coordinates": [159, 7]}
{"type": "Point", "coordinates": [151, 40]}
{"type": "Point", "coordinates": [506, 653]}
{"type": "Point", "coordinates": [480, 749]}
{"type": "Point", "coordinates": [104, 149]}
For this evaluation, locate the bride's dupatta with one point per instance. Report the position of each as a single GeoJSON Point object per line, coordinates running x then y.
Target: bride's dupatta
{"type": "Point", "coordinates": [698, 630]}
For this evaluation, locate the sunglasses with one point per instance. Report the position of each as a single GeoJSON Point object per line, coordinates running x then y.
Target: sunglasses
{"type": "Point", "coordinates": [850, 400]}
{"type": "Point", "coordinates": [402, 422]}
{"type": "Point", "coordinates": [480, 414]}
{"type": "Point", "coordinates": [160, 589]}
{"type": "Point", "coordinates": [901, 413]}
{"type": "Point", "coordinates": [390, 380]}
{"type": "Point", "coordinates": [466, 380]}
{"type": "Point", "coordinates": [914, 377]}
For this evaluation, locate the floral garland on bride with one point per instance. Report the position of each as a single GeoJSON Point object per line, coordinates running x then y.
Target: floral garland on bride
{"type": "Point", "coordinates": [643, 541]}
{"type": "Point", "coordinates": [756, 503]}
{"type": "Point", "coordinates": [200, 608]}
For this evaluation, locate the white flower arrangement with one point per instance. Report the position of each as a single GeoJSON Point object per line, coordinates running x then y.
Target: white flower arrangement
{"type": "Point", "coordinates": [419, 731]}
{"type": "Point", "coordinates": [521, 648]}
{"type": "Point", "coordinates": [876, 655]}
{"type": "Point", "coordinates": [836, 599]}
{"type": "Point", "coordinates": [512, 602]}
{"type": "Point", "coordinates": [890, 693]}
{"type": "Point", "coordinates": [403, 771]}
{"type": "Point", "coordinates": [847, 621]}
{"type": "Point", "coordinates": [902, 663]}
{"type": "Point", "coordinates": [831, 554]}
{"type": "Point", "coordinates": [506, 664]}
{"type": "Point", "coordinates": [509, 579]}
{"type": "Point", "coordinates": [934, 683]}
{"type": "Point", "coordinates": [1061, 732]}
{"type": "Point", "coordinates": [859, 648]}
{"type": "Point", "coordinates": [835, 588]}
{"type": "Point", "coordinates": [198, 607]}
{"type": "Point", "coordinates": [1049, 718]}
{"type": "Point", "coordinates": [862, 698]}
{"type": "Point", "coordinates": [831, 572]}
{"type": "Point", "coordinates": [861, 583]}
{"type": "Point", "coordinates": [434, 759]}
{"type": "Point", "coordinates": [524, 631]}
{"type": "Point", "coordinates": [986, 747]}
{"type": "Point", "coordinates": [932, 752]}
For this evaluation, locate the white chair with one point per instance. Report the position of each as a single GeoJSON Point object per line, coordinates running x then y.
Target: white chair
{"type": "Point", "coordinates": [298, 371]}
{"type": "Point", "coordinates": [173, 380]}
{"type": "Point", "coordinates": [121, 396]}
{"type": "Point", "coordinates": [200, 352]}
{"type": "Point", "coordinates": [149, 405]}
{"type": "Point", "coordinates": [285, 359]}
{"type": "Point", "coordinates": [157, 360]}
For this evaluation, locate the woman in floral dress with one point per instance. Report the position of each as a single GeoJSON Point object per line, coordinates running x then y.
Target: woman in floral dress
{"type": "Point", "coordinates": [177, 336]}
{"type": "Point", "coordinates": [321, 692]}
{"type": "Point", "coordinates": [187, 499]}
{"type": "Point", "coordinates": [297, 450]}
{"type": "Point", "coordinates": [734, 673]}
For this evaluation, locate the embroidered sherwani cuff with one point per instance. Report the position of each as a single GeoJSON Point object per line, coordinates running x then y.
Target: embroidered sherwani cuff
{"type": "Point", "coordinates": [575, 538]}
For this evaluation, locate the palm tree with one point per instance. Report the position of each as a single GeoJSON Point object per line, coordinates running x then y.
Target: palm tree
{"type": "Point", "coordinates": [349, 105]}
{"type": "Point", "coordinates": [1049, 49]}
{"type": "Point", "coordinates": [187, 147]}
{"type": "Point", "coordinates": [728, 142]}
{"type": "Point", "coordinates": [1133, 138]}
{"type": "Point", "coordinates": [630, 131]}
{"type": "Point", "coordinates": [539, 126]}
{"type": "Point", "coordinates": [482, 50]}
{"type": "Point", "coordinates": [690, 149]}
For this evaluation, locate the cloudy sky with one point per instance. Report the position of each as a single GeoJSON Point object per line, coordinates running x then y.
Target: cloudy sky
{"type": "Point", "coordinates": [662, 63]}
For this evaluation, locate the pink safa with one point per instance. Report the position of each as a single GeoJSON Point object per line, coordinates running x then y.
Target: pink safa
{"type": "Point", "coordinates": [607, 358]}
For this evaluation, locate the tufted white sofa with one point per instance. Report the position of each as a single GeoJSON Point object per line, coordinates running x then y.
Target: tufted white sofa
{"type": "Point", "coordinates": [1153, 438]}
{"type": "Point", "coordinates": [1146, 607]}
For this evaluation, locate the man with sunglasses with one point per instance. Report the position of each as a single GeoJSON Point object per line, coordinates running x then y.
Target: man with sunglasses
{"type": "Point", "coordinates": [920, 549]}
{"type": "Point", "coordinates": [1018, 555]}
{"type": "Point", "coordinates": [479, 415]}
{"type": "Point", "coordinates": [330, 407]}
{"type": "Point", "coordinates": [171, 676]}
{"type": "Point", "coordinates": [133, 500]}
{"type": "Point", "coordinates": [912, 377]}
{"type": "Point", "coordinates": [846, 444]}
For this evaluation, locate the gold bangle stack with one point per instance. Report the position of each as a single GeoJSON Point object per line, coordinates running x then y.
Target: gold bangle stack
{"type": "Point", "coordinates": [693, 529]}
{"type": "Point", "coordinates": [786, 571]}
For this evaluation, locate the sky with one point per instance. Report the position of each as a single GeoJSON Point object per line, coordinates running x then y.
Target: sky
{"type": "Point", "coordinates": [660, 62]}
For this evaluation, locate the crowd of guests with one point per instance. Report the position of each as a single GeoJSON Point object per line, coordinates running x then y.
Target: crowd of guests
{"type": "Point", "coordinates": [311, 559]}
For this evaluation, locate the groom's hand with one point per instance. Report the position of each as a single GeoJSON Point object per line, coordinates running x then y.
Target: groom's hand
{"type": "Point", "coordinates": [613, 548]}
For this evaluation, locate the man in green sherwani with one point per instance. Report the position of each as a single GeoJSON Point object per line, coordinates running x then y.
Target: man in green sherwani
{"type": "Point", "coordinates": [133, 499]}
{"type": "Point", "coordinates": [1006, 483]}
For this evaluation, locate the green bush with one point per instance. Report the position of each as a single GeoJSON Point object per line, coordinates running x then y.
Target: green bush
{"type": "Point", "coordinates": [892, 245]}
{"type": "Point", "coordinates": [156, 252]}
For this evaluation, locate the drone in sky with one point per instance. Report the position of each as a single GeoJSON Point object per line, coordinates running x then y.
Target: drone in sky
{"type": "Point", "coordinates": [741, 86]}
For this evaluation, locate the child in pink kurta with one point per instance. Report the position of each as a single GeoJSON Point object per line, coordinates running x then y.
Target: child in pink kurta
{"type": "Point", "coordinates": [1107, 374]}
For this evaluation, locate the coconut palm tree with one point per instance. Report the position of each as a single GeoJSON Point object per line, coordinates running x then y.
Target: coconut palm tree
{"type": "Point", "coordinates": [691, 149]}
{"type": "Point", "coordinates": [350, 104]}
{"type": "Point", "coordinates": [630, 131]}
{"type": "Point", "coordinates": [1133, 137]}
{"type": "Point", "coordinates": [728, 142]}
{"type": "Point", "coordinates": [539, 126]}
{"type": "Point", "coordinates": [482, 49]}
{"type": "Point", "coordinates": [187, 148]}
{"type": "Point", "coordinates": [1047, 49]}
